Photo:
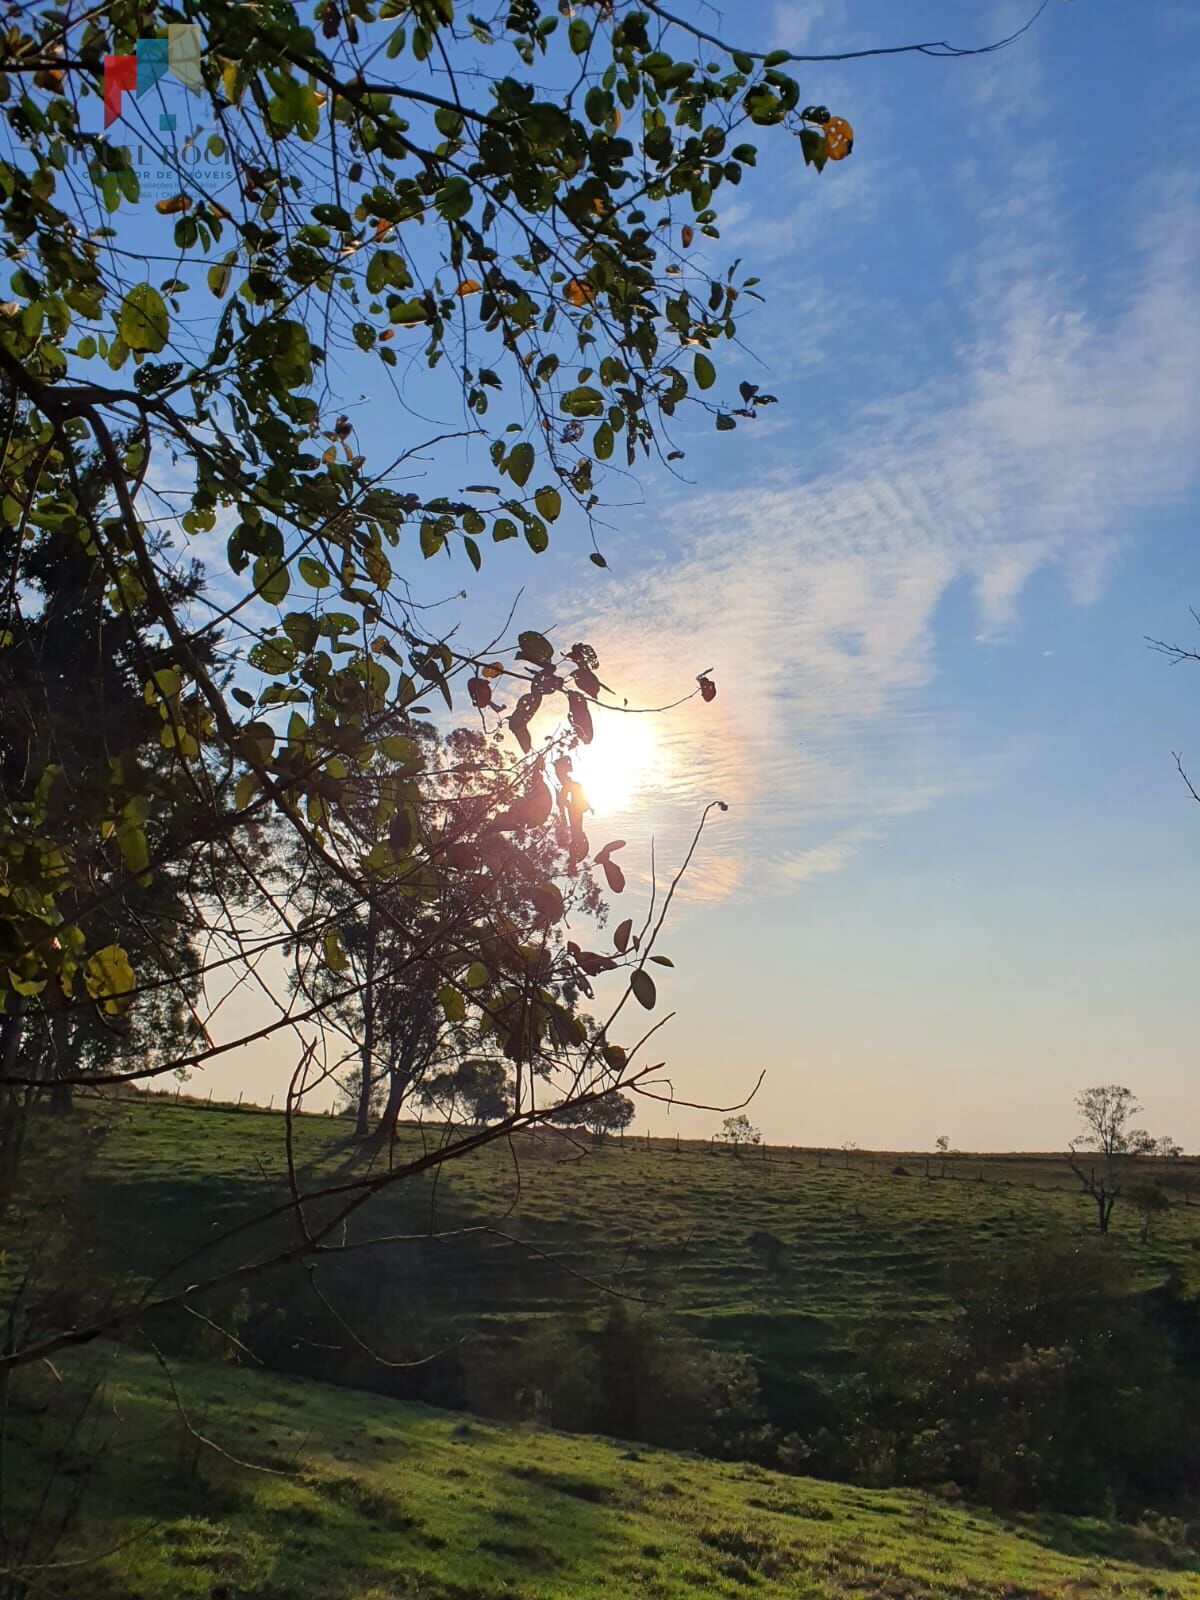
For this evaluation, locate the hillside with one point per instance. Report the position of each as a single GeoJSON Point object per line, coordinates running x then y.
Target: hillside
{"type": "Point", "coordinates": [359, 1498]}
{"type": "Point", "coordinates": [670, 1223]}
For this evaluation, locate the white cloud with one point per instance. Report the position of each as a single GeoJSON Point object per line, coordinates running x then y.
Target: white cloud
{"type": "Point", "coordinates": [814, 600]}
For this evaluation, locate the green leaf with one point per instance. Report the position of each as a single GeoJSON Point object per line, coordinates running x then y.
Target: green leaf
{"type": "Point", "coordinates": [432, 538]}
{"type": "Point", "coordinates": [335, 956]}
{"type": "Point", "coordinates": [315, 573]}
{"type": "Point", "coordinates": [453, 199]}
{"type": "Point", "coordinates": [477, 975]}
{"type": "Point", "coordinates": [621, 936]}
{"type": "Point", "coordinates": [643, 988]}
{"type": "Point", "coordinates": [536, 536]}
{"type": "Point", "coordinates": [218, 278]}
{"type": "Point", "coordinates": [271, 579]}
{"type": "Point", "coordinates": [143, 322]}
{"type": "Point", "coordinates": [583, 401]}
{"type": "Point", "coordinates": [813, 146]}
{"type": "Point", "coordinates": [405, 313]}
{"type": "Point", "coordinates": [405, 752]}
{"type": "Point", "coordinates": [520, 464]}
{"type": "Point", "coordinates": [452, 1003]}
{"type": "Point", "coordinates": [164, 682]}
{"type": "Point", "coordinates": [549, 503]}
{"type": "Point", "coordinates": [602, 442]}
{"type": "Point", "coordinates": [579, 35]}
{"type": "Point", "coordinates": [134, 849]}
{"type": "Point", "coordinates": [706, 373]}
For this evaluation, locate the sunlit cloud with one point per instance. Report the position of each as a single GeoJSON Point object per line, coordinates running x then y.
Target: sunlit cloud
{"type": "Point", "coordinates": [1064, 417]}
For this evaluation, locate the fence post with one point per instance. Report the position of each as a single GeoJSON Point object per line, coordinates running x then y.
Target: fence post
{"type": "Point", "coordinates": [270, 1102]}
{"type": "Point", "coordinates": [240, 1093]}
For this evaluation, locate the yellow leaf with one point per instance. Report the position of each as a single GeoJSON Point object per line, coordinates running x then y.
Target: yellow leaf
{"type": "Point", "coordinates": [110, 979]}
{"type": "Point", "coordinates": [839, 138]}
{"type": "Point", "coordinates": [468, 286]}
{"type": "Point", "coordinates": [579, 291]}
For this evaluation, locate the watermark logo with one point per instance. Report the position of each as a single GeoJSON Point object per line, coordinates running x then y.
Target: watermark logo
{"type": "Point", "coordinates": [178, 54]}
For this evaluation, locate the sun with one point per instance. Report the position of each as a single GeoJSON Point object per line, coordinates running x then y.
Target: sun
{"type": "Point", "coordinates": [619, 764]}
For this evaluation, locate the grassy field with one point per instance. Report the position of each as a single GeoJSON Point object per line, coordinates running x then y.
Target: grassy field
{"type": "Point", "coordinates": [665, 1223]}
{"type": "Point", "coordinates": [354, 1497]}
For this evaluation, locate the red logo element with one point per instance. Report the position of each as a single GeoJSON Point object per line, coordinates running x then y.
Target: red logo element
{"type": "Point", "coordinates": [120, 72]}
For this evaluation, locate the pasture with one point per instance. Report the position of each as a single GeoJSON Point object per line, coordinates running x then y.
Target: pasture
{"type": "Point", "coordinates": [306, 1492]}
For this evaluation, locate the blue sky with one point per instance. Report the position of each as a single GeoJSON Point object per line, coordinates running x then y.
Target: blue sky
{"type": "Point", "coordinates": [958, 877]}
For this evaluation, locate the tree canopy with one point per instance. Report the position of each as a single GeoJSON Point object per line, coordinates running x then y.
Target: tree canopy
{"type": "Point", "coordinates": [397, 194]}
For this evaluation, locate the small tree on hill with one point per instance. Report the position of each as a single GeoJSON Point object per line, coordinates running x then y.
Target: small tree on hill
{"type": "Point", "coordinates": [738, 1131]}
{"type": "Point", "coordinates": [612, 1113]}
{"type": "Point", "coordinates": [1106, 1111]}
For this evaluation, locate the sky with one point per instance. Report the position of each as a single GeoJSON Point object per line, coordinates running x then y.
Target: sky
{"type": "Point", "coordinates": [958, 875]}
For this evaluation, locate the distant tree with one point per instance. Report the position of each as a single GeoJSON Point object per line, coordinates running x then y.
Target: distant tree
{"type": "Point", "coordinates": [738, 1131]}
{"type": "Point", "coordinates": [849, 1146]}
{"type": "Point", "coordinates": [942, 1144]}
{"type": "Point", "coordinates": [612, 1113]}
{"type": "Point", "coordinates": [1166, 1148]}
{"type": "Point", "coordinates": [1109, 1144]}
{"type": "Point", "coordinates": [476, 1090]}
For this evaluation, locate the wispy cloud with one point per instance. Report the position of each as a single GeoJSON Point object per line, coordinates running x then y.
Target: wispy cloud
{"type": "Point", "coordinates": [1065, 415]}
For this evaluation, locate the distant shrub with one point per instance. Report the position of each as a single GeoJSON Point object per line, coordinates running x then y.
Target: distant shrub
{"type": "Point", "coordinates": [1052, 1386]}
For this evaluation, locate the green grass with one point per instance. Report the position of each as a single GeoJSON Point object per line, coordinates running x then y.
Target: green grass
{"type": "Point", "coordinates": [670, 1225]}
{"type": "Point", "coordinates": [366, 1499]}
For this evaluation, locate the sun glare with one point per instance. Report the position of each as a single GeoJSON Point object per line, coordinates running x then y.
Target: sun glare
{"type": "Point", "coordinates": [618, 764]}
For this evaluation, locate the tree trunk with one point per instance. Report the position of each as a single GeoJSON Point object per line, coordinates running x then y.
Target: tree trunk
{"type": "Point", "coordinates": [62, 1095]}
{"type": "Point", "coordinates": [362, 1121]}
{"type": "Point", "coordinates": [14, 1102]}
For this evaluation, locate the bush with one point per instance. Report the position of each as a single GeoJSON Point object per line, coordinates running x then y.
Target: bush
{"type": "Point", "coordinates": [659, 1385]}
{"type": "Point", "coordinates": [1051, 1386]}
